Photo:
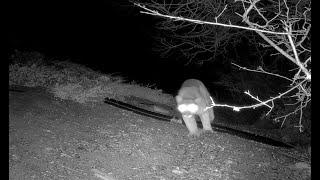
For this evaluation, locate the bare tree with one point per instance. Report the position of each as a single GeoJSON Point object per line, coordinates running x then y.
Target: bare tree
{"type": "Point", "coordinates": [194, 39]}
{"type": "Point", "coordinates": [209, 28]}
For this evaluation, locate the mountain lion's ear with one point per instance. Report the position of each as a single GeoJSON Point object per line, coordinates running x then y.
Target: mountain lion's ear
{"type": "Point", "coordinates": [178, 99]}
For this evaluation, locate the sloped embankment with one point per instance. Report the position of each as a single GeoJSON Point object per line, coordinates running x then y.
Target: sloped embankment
{"type": "Point", "coordinates": [54, 139]}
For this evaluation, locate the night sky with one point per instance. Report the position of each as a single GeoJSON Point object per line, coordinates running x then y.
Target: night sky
{"type": "Point", "coordinates": [104, 35]}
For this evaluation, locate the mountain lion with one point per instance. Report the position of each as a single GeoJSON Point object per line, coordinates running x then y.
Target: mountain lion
{"type": "Point", "coordinates": [192, 99]}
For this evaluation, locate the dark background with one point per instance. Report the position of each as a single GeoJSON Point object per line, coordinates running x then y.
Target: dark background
{"type": "Point", "coordinates": [112, 37]}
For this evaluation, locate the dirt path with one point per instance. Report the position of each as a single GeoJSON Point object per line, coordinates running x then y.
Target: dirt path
{"type": "Point", "coordinates": [53, 139]}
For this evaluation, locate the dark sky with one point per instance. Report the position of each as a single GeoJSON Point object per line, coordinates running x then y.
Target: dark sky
{"type": "Point", "coordinates": [82, 28]}
{"type": "Point", "coordinates": [107, 35]}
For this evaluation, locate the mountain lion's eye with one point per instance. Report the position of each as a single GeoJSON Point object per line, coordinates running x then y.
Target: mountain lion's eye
{"type": "Point", "coordinates": [190, 107]}
{"type": "Point", "coordinates": [182, 108]}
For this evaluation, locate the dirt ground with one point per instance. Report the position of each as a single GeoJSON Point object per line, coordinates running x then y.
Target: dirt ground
{"type": "Point", "coordinates": [54, 139]}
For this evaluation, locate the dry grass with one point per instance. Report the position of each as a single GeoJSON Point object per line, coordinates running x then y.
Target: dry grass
{"type": "Point", "coordinates": [68, 80]}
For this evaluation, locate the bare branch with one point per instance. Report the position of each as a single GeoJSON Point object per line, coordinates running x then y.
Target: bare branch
{"type": "Point", "coordinates": [156, 13]}
{"type": "Point", "coordinates": [260, 70]}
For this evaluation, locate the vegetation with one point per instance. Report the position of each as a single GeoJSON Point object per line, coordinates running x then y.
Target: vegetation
{"type": "Point", "coordinates": [70, 81]}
